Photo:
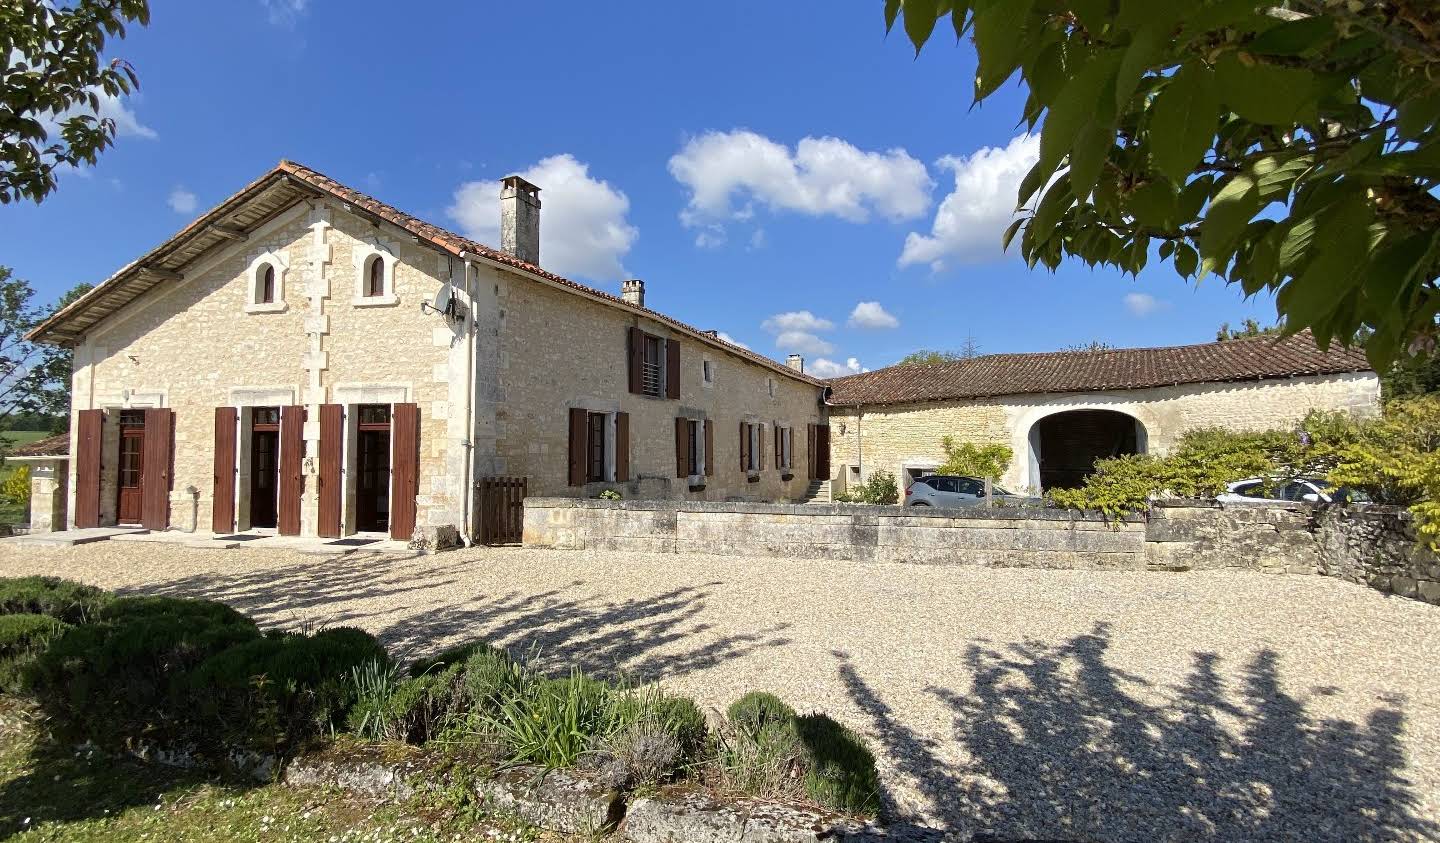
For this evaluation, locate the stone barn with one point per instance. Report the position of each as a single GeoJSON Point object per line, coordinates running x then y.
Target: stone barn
{"type": "Point", "coordinates": [1061, 411]}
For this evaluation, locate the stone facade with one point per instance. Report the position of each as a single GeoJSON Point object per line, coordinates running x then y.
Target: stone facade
{"type": "Point", "coordinates": [901, 437]}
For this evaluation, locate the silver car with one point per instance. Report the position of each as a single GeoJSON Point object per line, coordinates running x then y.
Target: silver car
{"type": "Point", "coordinates": [954, 491]}
{"type": "Point", "coordinates": [1305, 489]}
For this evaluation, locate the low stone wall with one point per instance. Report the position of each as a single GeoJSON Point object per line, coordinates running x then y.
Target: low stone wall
{"type": "Point", "coordinates": [1373, 546]}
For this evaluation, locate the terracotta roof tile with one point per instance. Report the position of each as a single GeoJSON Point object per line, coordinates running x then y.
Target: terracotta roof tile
{"type": "Point", "coordinates": [51, 446]}
{"type": "Point", "coordinates": [995, 375]}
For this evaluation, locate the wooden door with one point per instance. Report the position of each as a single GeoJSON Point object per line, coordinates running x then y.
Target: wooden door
{"type": "Point", "coordinates": [822, 452]}
{"type": "Point", "coordinates": [332, 449]}
{"type": "Point", "coordinates": [130, 468]}
{"type": "Point", "coordinates": [159, 453]}
{"type": "Point", "coordinates": [292, 453]}
{"type": "Point", "coordinates": [222, 506]}
{"type": "Point", "coordinates": [405, 482]}
{"type": "Point", "coordinates": [89, 426]}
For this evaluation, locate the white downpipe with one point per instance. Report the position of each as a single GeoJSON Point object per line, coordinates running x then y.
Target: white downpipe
{"type": "Point", "coordinates": [468, 495]}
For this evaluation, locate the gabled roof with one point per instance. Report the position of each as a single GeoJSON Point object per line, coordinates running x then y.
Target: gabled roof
{"type": "Point", "coordinates": [278, 190]}
{"type": "Point", "coordinates": [51, 446]}
{"type": "Point", "coordinates": [1256, 358]}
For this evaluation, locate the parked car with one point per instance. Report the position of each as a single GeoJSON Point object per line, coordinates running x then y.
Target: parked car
{"type": "Point", "coordinates": [1306, 489]}
{"type": "Point", "coordinates": [954, 491]}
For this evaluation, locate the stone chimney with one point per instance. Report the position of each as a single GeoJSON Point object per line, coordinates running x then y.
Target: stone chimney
{"type": "Point", "coordinates": [520, 219]}
{"type": "Point", "coordinates": [633, 291]}
{"type": "Point", "coordinates": [796, 362]}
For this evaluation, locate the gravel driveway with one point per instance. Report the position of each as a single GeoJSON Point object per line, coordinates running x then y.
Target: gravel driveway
{"type": "Point", "coordinates": [1018, 703]}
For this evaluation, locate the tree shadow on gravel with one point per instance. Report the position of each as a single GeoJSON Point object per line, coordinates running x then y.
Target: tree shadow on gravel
{"type": "Point", "coordinates": [1062, 746]}
{"type": "Point", "coordinates": [654, 637]}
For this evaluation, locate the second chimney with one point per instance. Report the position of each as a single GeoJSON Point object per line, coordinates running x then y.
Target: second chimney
{"type": "Point", "coordinates": [796, 362]}
{"type": "Point", "coordinates": [633, 292]}
{"type": "Point", "coordinates": [520, 219]}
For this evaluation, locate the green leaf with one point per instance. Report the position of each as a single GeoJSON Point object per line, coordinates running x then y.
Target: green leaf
{"type": "Point", "coordinates": [1187, 260]}
{"type": "Point", "coordinates": [1182, 122]}
{"type": "Point", "coordinates": [920, 17]}
{"type": "Point", "coordinates": [1074, 107]}
{"type": "Point", "coordinates": [1087, 156]}
{"type": "Point", "coordinates": [892, 10]}
{"type": "Point", "coordinates": [1010, 232]}
{"type": "Point", "coordinates": [1144, 50]}
{"type": "Point", "coordinates": [1417, 115]}
{"type": "Point", "coordinates": [1031, 184]}
{"type": "Point", "coordinates": [1295, 244]}
{"type": "Point", "coordinates": [1154, 205]}
{"type": "Point", "coordinates": [1342, 250]}
{"type": "Point", "coordinates": [1057, 199]}
{"type": "Point", "coordinates": [1230, 211]}
{"type": "Point", "coordinates": [1294, 38]}
{"type": "Point", "coordinates": [1266, 93]}
{"type": "Point", "coordinates": [999, 38]}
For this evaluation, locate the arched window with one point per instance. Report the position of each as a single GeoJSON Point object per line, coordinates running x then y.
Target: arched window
{"type": "Point", "coordinates": [375, 277]}
{"type": "Point", "coordinates": [266, 291]}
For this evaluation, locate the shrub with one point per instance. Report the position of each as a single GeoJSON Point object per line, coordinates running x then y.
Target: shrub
{"type": "Point", "coordinates": [642, 753]}
{"type": "Point", "coordinates": [16, 488]}
{"type": "Point", "coordinates": [972, 460]}
{"type": "Point", "coordinates": [458, 654]}
{"type": "Point", "coordinates": [840, 770]}
{"type": "Point", "coordinates": [757, 710]}
{"type": "Point", "coordinates": [415, 710]}
{"type": "Point", "coordinates": [681, 717]}
{"type": "Point", "coordinates": [881, 489]}
{"type": "Point", "coordinates": [491, 676]}
{"type": "Point", "coordinates": [1396, 460]}
{"type": "Point", "coordinates": [22, 638]}
{"type": "Point", "coordinates": [609, 495]}
{"type": "Point", "coordinates": [63, 600]}
{"type": "Point", "coordinates": [763, 750]}
{"type": "Point", "coordinates": [554, 721]}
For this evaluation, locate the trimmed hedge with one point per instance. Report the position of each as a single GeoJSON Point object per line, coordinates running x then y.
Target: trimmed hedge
{"type": "Point", "coordinates": [63, 600]}
{"type": "Point", "coordinates": [840, 770]}
{"type": "Point", "coordinates": [22, 638]}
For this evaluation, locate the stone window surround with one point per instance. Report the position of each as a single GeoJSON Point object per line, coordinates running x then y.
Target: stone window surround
{"type": "Point", "coordinates": [255, 272]}
{"type": "Point", "coordinates": [707, 372]}
{"type": "Point", "coordinates": [609, 409]}
{"type": "Point", "coordinates": [696, 479]}
{"type": "Point", "coordinates": [757, 436]}
{"type": "Point", "coordinates": [361, 256]}
{"type": "Point", "coordinates": [787, 441]}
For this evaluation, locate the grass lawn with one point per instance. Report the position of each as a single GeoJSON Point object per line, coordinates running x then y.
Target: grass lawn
{"type": "Point", "coordinates": [47, 794]}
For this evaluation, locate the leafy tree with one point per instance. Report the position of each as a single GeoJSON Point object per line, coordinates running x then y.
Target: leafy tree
{"type": "Point", "coordinates": [1248, 328]}
{"type": "Point", "coordinates": [33, 378]}
{"type": "Point", "coordinates": [51, 85]}
{"type": "Point", "coordinates": [1412, 378]}
{"type": "Point", "coordinates": [1290, 146]}
{"type": "Point", "coordinates": [926, 357]}
{"type": "Point", "coordinates": [972, 460]}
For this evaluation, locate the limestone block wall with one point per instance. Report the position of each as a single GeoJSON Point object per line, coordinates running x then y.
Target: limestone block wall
{"type": "Point", "coordinates": [557, 350]}
{"type": "Point", "coordinates": [895, 438]}
{"type": "Point", "coordinates": [48, 485]}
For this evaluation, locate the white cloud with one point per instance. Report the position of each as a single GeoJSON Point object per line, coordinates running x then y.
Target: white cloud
{"type": "Point", "coordinates": [583, 230]}
{"type": "Point", "coordinates": [757, 239]}
{"type": "Point", "coordinates": [111, 107]}
{"type": "Point", "coordinates": [182, 201]}
{"type": "Point", "coordinates": [823, 368]}
{"type": "Point", "coordinates": [1143, 304]}
{"type": "Point", "coordinates": [712, 237]}
{"type": "Point", "coordinates": [727, 338]}
{"type": "Point", "coordinates": [820, 177]}
{"type": "Point", "coordinates": [971, 221]}
{"type": "Point", "coordinates": [869, 314]}
{"type": "Point", "coordinates": [803, 342]}
{"type": "Point", "coordinates": [796, 320]}
{"type": "Point", "coordinates": [285, 13]}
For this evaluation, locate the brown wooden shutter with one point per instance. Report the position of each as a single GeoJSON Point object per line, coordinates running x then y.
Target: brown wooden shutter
{"type": "Point", "coordinates": [579, 439]}
{"type": "Point", "coordinates": [672, 369]}
{"type": "Point", "coordinates": [405, 469]}
{"type": "Point", "coordinates": [88, 436]}
{"type": "Point", "coordinates": [682, 448]}
{"type": "Point", "coordinates": [810, 465]}
{"type": "Point", "coordinates": [822, 451]}
{"type": "Point", "coordinates": [779, 447]}
{"type": "Point", "coordinates": [292, 452]}
{"type": "Point", "coordinates": [636, 359]}
{"type": "Point", "coordinates": [332, 449]}
{"type": "Point", "coordinates": [222, 500]}
{"type": "Point", "coordinates": [622, 447]}
{"type": "Point", "coordinates": [155, 468]}
{"type": "Point", "coordinates": [760, 447]}
{"type": "Point", "coordinates": [744, 446]}
{"type": "Point", "coordinates": [709, 448]}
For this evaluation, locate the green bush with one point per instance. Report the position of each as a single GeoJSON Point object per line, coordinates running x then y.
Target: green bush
{"type": "Point", "coordinates": [681, 717]}
{"type": "Point", "coordinates": [840, 770]}
{"type": "Point", "coordinates": [22, 638]}
{"type": "Point", "coordinates": [881, 489]}
{"type": "Point", "coordinates": [757, 710]}
{"type": "Point", "coordinates": [415, 710]}
{"type": "Point", "coordinates": [63, 600]}
{"type": "Point", "coordinates": [763, 751]}
{"type": "Point", "coordinates": [969, 459]}
{"type": "Point", "coordinates": [16, 488]}
{"type": "Point", "coordinates": [491, 676]}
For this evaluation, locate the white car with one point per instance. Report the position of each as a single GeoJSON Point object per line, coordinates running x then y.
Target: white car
{"type": "Point", "coordinates": [1304, 489]}
{"type": "Point", "coordinates": [954, 491]}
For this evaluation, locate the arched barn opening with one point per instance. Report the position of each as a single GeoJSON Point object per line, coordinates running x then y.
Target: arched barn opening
{"type": "Point", "coordinates": [1066, 445]}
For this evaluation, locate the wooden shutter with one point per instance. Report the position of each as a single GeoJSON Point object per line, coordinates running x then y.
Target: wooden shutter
{"type": "Point", "coordinates": [405, 469]}
{"type": "Point", "coordinates": [88, 435]}
{"type": "Point", "coordinates": [636, 361]}
{"type": "Point", "coordinates": [579, 439]}
{"type": "Point", "coordinates": [292, 451]}
{"type": "Point", "coordinates": [822, 451]}
{"type": "Point", "coordinates": [744, 446]}
{"type": "Point", "coordinates": [672, 368]}
{"type": "Point", "coordinates": [155, 469]}
{"type": "Point", "coordinates": [222, 500]}
{"type": "Point", "coordinates": [810, 465]}
{"type": "Point", "coordinates": [779, 447]}
{"type": "Point", "coordinates": [682, 447]}
{"type": "Point", "coordinates": [332, 449]}
{"type": "Point", "coordinates": [709, 448]}
{"type": "Point", "coordinates": [622, 447]}
{"type": "Point", "coordinates": [760, 447]}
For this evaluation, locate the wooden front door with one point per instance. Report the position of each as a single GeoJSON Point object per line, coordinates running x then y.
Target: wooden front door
{"type": "Point", "coordinates": [131, 465]}
{"type": "Point", "coordinates": [372, 486]}
{"type": "Point", "coordinates": [264, 467]}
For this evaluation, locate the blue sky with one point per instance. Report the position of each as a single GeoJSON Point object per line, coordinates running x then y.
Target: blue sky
{"type": "Point", "coordinates": [766, 168]}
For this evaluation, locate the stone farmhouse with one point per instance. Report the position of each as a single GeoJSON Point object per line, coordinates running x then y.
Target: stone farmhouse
{"type": "Point", "coordinates": [306, 359]}
{"type": "Point", "coordinates": [1061, 411]}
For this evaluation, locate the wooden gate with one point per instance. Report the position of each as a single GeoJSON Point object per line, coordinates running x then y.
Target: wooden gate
{"type": "Point", "coordinates": [501, 508]}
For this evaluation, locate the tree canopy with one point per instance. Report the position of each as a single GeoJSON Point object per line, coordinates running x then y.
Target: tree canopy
{"type": "Point", "coordinates": [51, 84]}
{"type": "Point", "coordinates": [34, 379]}
{"type": "Point", "coordinates": [1284, 145]}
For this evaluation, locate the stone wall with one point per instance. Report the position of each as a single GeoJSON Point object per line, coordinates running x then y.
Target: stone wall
{"type": "Point", "coordinates": [895, 438]}
{"type": "Point", "coordinates": [1373, 546]}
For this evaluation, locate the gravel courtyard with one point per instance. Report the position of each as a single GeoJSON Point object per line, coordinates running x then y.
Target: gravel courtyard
{"type": "Point", "coordinates": [1015, 703]}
